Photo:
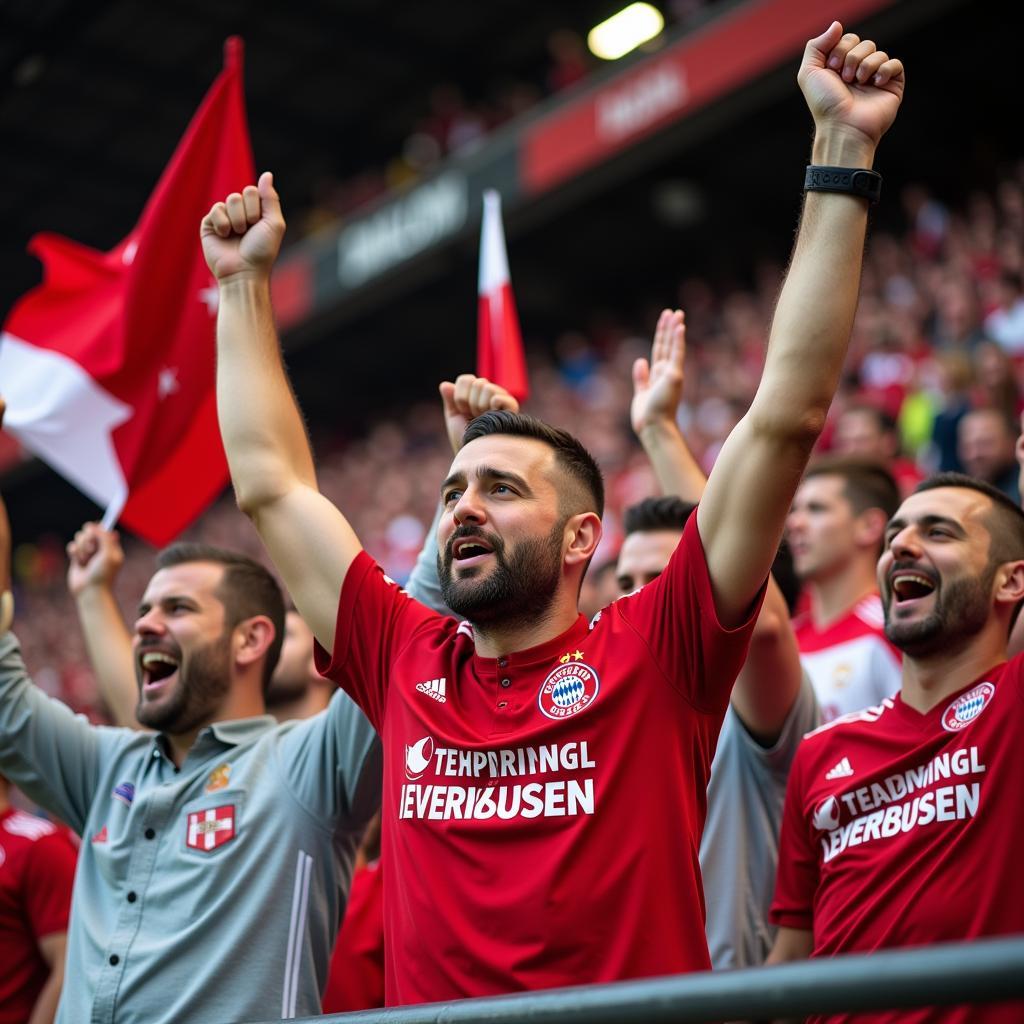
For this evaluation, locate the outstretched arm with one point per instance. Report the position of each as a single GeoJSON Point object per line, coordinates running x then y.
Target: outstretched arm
{"type": "Point", "coordinates": [94, 561]}
{"type": "Point", "coordinates": [770, 679]}
{"type": "Point", "coordinates": [309, 540]}
{"type": "Point", "coordinates": [853, 91]}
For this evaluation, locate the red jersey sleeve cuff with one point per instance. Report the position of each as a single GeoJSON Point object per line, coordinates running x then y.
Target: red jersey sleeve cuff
{"type": "Point", "coordinates": [801, 919]}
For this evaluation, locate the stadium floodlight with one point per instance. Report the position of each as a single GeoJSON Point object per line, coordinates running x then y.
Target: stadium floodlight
{"type": "Point", "coordinates": [624, 32]}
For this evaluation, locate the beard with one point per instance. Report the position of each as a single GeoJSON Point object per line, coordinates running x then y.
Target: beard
{"type": "Point", "coordinates": [962, 608]}
{"type": "Point", "coordinates": [204, 679]}
{"type": "Point", "coordinates": [519, 589]}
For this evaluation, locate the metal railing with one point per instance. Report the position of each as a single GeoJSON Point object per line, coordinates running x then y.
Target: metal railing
{"type": "Point", "coordinates": [983, 971]}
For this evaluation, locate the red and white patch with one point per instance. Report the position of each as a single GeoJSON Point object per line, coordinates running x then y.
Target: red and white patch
{"type": "Point", "coordinates": [568, 690]}
{"type": "Point", "coordinates": [966, 708]}
{"type": "Point", "coordinates": [208, 829]}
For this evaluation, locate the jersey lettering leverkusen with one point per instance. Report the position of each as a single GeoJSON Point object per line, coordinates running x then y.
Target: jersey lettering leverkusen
{"type": "Point", "coordinates": [542, 811]}
{"type": "Point", "coordinates": [851, 663]}
{"type": "Point", "coordinates": [903, 829]}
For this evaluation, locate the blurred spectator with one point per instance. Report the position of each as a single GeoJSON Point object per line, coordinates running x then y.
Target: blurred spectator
{"type": "Point", "coordinates": [569, 61]}
{"type": "Point", "coordinates": [1005, 324]}
{"type": "Point", "coordinates": [868, 432]}
{"type": "Point", "coordinates": [987, 440]}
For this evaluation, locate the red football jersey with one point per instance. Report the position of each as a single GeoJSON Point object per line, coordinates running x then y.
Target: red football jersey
{"type": "Point", "coordinates": [37, 869]}
{"type": "Point", "coordinates": [355, 978]}
{"type": "Point", "coordinates": [903, 829]}
{"type": "Point", "coordinates": [542, 811]}
{"type": "Point", "coordinates": [851, 663]}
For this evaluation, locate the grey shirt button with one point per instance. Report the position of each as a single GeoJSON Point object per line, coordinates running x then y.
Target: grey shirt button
{"type": "Point", "coordinates": [506, 683]}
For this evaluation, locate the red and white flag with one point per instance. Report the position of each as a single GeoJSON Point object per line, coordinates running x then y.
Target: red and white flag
{"type": "Point", "coordinates": [107, 367]}
{"type": "Point", "coordinates": [499, 343]}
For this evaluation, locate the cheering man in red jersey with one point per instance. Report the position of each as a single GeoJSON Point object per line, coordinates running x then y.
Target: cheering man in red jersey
{"type": "Point", "coordinates": [902, 823]}
{"type": "Point", "coordinates": [520, 744]}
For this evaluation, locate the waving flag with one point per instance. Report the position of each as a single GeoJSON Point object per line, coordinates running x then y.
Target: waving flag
{"type": "Point", "coordinates": [499, 344]}
{"type": "Point", "coordinates": [107, 367]}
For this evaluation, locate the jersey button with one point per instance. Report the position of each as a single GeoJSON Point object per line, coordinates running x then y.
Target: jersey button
{"type": "Point", "coordinates": [131, 897]}
{"type": "Point", "coordinates": [506, 683]}
{"type": "Point", "coordinates": [502, 662]}
{"type": "Point", "coordinates": [114, 959]}
{"type": "Point", "coordinates": [149, 833]}
{"type": "Point", "coordinates": [502, 703]}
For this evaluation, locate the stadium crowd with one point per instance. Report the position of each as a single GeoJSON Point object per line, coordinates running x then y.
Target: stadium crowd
{"type": "Point", "coordinates": [939, 332]}
{"type": "Point", "coordinates": [916, 459]}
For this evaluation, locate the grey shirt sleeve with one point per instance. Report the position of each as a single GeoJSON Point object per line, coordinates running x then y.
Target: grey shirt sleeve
{"type": "Point", "coordinates": [333, 765]}
{"type": "Point", "coordinates": [424, 584]}
{"type": "Point", "coordinates": [803, 716]}
{"type": "Point", "coordinates": [49, 752]}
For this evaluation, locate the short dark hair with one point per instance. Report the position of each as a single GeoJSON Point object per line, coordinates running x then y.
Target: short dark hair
{"type": "Point", "coordinates": [866, 482]}
{"type": "Point", "coordinates": [667, 512]}
{"type": "Point", "coordinates": [1006, 528]}
{"type": "Point", "coordinates": [571, 455]}
{"type": "Point", "coordinates": [247, 589]}
{"type": "Point", "coordinates": [660, 513]}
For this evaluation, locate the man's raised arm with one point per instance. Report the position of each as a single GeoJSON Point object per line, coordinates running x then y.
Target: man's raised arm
{"type": "Point", "coordinates": [268, 451]}
{"type": "Point", "coordinates": [853, 91]}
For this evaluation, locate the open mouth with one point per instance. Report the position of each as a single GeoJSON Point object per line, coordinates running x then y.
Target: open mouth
{"type": "Point", "coordinates": [909, 586]}
{"type": "Point", "coordinates": [470, 550]}
{"type": "Point", "coordinates": [157, 669]}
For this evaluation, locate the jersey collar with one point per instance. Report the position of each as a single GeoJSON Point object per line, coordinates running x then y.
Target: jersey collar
{"type": "Point", "coordinates": [542, 653]}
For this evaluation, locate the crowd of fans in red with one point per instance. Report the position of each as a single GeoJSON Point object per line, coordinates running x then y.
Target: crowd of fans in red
{"type": "Point", "coordinates": [939, 332]}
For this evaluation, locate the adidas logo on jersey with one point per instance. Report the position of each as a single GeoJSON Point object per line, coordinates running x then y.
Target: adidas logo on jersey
{"type": "Point", "coordinates": [433, 688]}
{"type": "Point", "coordinates": [843, 770]}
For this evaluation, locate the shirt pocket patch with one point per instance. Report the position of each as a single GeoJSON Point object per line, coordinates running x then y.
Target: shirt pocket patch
{"type": "Point", "coordinates": [209, 828]}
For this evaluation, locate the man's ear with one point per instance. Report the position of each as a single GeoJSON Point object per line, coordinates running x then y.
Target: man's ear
{"type": "Point", "coordinates": [869, 528]}
{"type": "Point", "coordinates": [582, 536]}
{"type": "Point", "coordinates": [252, 639]}
{"type": "Point", "coordinates": [1009, 583]}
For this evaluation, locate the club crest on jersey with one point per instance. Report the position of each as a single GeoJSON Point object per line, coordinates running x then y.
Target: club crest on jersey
{"type": "Point", "coordinates": [966, 708]}
{"type": "Point", "coordinates": [568, 690]}
{"type": "Point", "coordinates": [826, 817]}
{"type": "Point", "coordinates": [206, 830]}
{"type": "Point", "coordinates": [418, 757]}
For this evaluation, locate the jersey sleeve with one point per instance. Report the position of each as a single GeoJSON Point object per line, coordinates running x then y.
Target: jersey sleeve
{"type": "Point", "coordinates": [803, 716]}
{"type": "Point", "coordinates": [333, 765]}
{"type": "Point", "coordinates": [46, 889]}
{"type": "Point", "coordinates": [796, 881]}
{"type": "Point", "coordinates": [375, 620]}
{"type": "Point", "coordinates": [676, 618]}
{"type": "Point", "coordinates": [53, 755]}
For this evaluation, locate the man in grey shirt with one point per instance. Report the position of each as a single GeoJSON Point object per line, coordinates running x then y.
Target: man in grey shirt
{"type": "Point", "coordinates": [217, 850]}
{"type": "Point", "coordinates": [772, 707]}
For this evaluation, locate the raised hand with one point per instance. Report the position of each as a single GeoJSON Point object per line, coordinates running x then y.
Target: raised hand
{"type": "Point", "coordinates": [242, 235]}
{"type": "Point", "coordinates": [95, 558]}
{"type": "Point", "coordinates": [467, 398]}
{"type": "Point", "coordinates": [658, 384]}
{"type": "Point", "coordinates": [850, 84]}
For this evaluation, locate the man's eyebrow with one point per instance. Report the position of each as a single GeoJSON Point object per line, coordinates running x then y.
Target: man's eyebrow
{"type": "Point", "coordinates": [489, 473]}
{"type": "Point", "coordinates": [898, 523]}
{"type": "Point", "coordinates": [145, 606]}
